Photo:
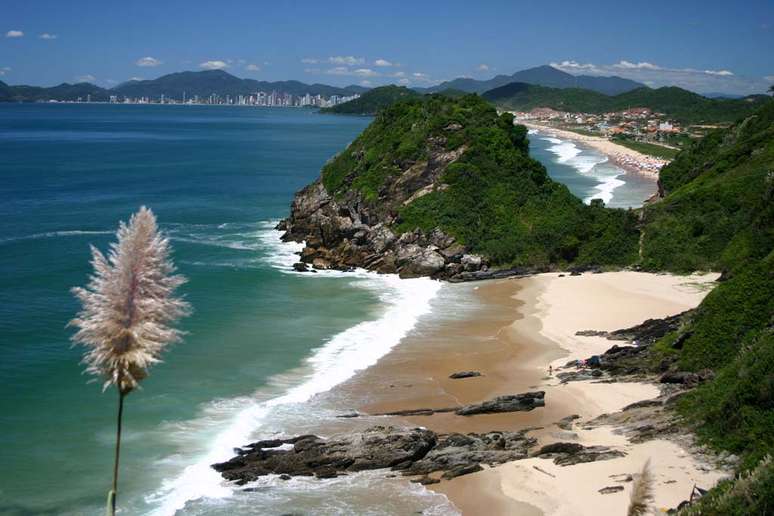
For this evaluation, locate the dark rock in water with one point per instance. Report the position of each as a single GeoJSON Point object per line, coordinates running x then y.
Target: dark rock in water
{"type": "Point", "coordinates": [285, 476]}
{"type": "Point", "coordinates": [426, 480]}
{"type": "Point", "coordinates": [412, 452]}
{"type": "Point", "coordinates": [611, 489]}
{"type": "Point", "coordinates": [560, 448]}
{"type": "Point", "coordinates": [375, 448]}
{"type": "Point", "coordinates": [349, 415]}
{"type": "Point", "coordinates": [464, 374]}
{"type": "Point", "coordinates": [508, 403]}
{"type": "Point", "coordinates": [300, 267]}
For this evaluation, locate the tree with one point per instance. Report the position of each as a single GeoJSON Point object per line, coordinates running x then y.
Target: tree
{"type": "Point", "coordinates": [128, 310]}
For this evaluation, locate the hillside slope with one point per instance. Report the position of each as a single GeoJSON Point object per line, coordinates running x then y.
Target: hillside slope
{"type": "Point", "coordinates": [445, 187]}
{"type": "Point", "coordinates": [678, 104]}
{"type": "Point", "coordinates": [373, 100]}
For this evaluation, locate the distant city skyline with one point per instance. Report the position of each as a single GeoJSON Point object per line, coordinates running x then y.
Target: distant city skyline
{"type": "Point", "coordinates": [708, 47]}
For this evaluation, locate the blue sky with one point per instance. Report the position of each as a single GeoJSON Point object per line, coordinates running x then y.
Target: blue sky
{"type": "Point", "coordinates": [706, 45]}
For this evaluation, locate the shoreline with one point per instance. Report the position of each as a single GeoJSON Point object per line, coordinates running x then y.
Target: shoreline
{"type": "Point", "coordinates": [515, 329]}
{"type": "Point", "coordinates": [623, 157]}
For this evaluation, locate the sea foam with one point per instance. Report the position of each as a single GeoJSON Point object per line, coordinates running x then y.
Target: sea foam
{"type": "Point", "coordinates": [234, 422]}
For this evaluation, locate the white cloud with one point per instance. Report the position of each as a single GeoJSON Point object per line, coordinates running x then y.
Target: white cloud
{"type": "Point", "coordinates": [483, 67]}
{"type": "Point", "coordinates": [252, 67]}
{"type": "Point", "coordinates": [344, 70]}
{"type": "Point", "coordinates": [46, 35]}
{"type": "Point", "coordinates": [366, 72]}
{"type": "Point", "coordinates": [213, 65]}
{"type": "Point", "coordinates": [14, 34]}
{"type": "Point", "coordinates": [399, 74]}
{"type": "Point", "coordinates": [769, 78]}
{"type": "Point", "coordinates": [310, 60]}
{"type": "Point", "coordinates": [346, 60]}
{"type": "Point", "coordinates": [654, 75]}
{"type": "Point", "coordinates": [629, 65]}
{"type": "Point", "coordinates": [85, 78]}
{"type": "Point", "coordinates": [382, 62]}
{"type": "Point", "coordinates": [365, 82]}
{"type": "Point", "coordinates": [148, 61]}
{"type": "Point", "coordinates": [4, 70]}
{"type": "Point", "coordinates": [404, 81]}
{"type": "Point", "coordinates": [136, 79]}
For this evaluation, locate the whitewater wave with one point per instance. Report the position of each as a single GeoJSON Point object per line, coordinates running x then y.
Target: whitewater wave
{"type": "Point", "coordinates": [233, 422]}
{"type": "Point", "coordinates": [590, 164]}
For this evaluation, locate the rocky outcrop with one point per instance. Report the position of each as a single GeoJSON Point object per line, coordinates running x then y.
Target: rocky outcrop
{"type": "Point", "coordinates": [349, 230]}
{"type": "Point", "coordinates": [415, 451]}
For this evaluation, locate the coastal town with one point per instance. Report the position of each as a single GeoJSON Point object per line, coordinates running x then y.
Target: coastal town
{"type": "Point", "coordinates": [260, 99]}
{"type": "Point", "coordinates": [636, 139]}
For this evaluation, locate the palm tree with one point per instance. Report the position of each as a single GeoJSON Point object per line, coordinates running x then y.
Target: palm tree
{"type": "Point", "coordinates": [127, 312]}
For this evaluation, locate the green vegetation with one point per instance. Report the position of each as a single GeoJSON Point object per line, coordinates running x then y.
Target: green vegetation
{"type": "Point", "coordinates": [499, 201]}
{"type": "Point", "coordinates": [651, 149]}
{"type": "Point", "coordinates": [751, 494]}
{"type": "Point", "coordinates": [374, 100]}
{"type": "Point", "coordinates": [718, 211]}
{"type": "Point", "coordinates": [681, 105]}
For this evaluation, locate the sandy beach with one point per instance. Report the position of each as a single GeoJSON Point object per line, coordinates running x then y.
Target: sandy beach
{"type": "Point", "coordinates": [511, 332]}
{"type": "Point", "coordinates": [624, 157]}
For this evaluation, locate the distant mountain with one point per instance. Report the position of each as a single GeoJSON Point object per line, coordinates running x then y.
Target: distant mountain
{"type": "Point", "coordinates": [64, 91]}
{"type": "Point", "coordinates": [679, 104]}
{"type": "Point", "coordinates": [542, 76]}
{"type": "Point", "coordinates": [173, 85]}
{"type": "Point", "coordinates": [372, 101]}
{"type": "Point", "coordinates": [221, 83]}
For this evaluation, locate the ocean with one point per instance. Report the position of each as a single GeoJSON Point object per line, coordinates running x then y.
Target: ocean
{"type": "Point", "coordinates": [264, 344]}
{"type": "Point", "coordinates": [589, 174]}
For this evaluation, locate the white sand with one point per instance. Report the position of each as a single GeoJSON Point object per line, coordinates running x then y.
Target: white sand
{"type": "Point", "coordinates": [624, 156]}
{"type": "Point", "coordinates": [608, 301]}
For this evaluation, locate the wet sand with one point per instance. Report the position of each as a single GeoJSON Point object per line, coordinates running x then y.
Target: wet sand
{"type": "Point", "coordinates": [513, 331]}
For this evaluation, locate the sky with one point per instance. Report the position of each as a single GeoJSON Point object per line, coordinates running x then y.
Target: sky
{"type": "Point", "coordinates": [706, 46]}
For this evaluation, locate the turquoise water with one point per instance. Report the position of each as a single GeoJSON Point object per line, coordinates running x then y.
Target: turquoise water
{"type": "Point", "coordinates": [589, 174]}
{"type": "Point", "coordinates": [263, 343]}
{"type": "Point", "coordinates": [218, 178]}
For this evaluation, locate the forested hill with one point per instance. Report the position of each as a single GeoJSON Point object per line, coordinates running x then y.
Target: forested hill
{"type": "Point", "coordinates": [373, 100]}
{"type": "Point", "coordinates": [677, 103]}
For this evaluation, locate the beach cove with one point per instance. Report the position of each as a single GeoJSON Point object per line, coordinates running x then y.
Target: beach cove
{"type": "Point", "coordinates": [512, 331]}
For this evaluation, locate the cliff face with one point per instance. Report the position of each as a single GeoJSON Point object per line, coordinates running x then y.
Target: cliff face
{"type": "Point", "coordinates": [348, 230]}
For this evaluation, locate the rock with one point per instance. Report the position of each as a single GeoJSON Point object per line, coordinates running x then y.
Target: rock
{"type": "Point", "coordinates": [411, 451]}
{"type": "Point", "coordinates": [458, 471]}
{"type": "Point", "coordinates": [560, 448]}
{"type": "Point", "coordinates": [300, 267]}
{"type": "Point", "coordinates": [321, 263]}
{"type": "Point", "coordinates": [508, 403]}
{"type": "Point", "coordinates": [426, 480]}
{"type": "Point", "coordinates": [591, 333]}
{"type": "Point", "coordinates": [588, 454]}
{"type": "Point", "coordinates": [471, 262]}
{"type": "Point", "coordinates": [682, 377]}
{"type": "Point", "coordinates": [285, 476]}
{"type": "Point", "coordinates": [611, 489]}
{"type": "Point", "coordinates": [415, 261]}
{"type": "Point", "coordinates": [464, 374]}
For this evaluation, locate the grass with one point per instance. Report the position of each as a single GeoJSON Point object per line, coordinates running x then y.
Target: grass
{"type": "Point", "coordinates": [650, 149]}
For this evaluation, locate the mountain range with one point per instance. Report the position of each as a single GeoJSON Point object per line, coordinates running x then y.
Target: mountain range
{"type": "Point", "coordinates": [541, 76]}
{"type": "Point", "coordinates": [173, 85]}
